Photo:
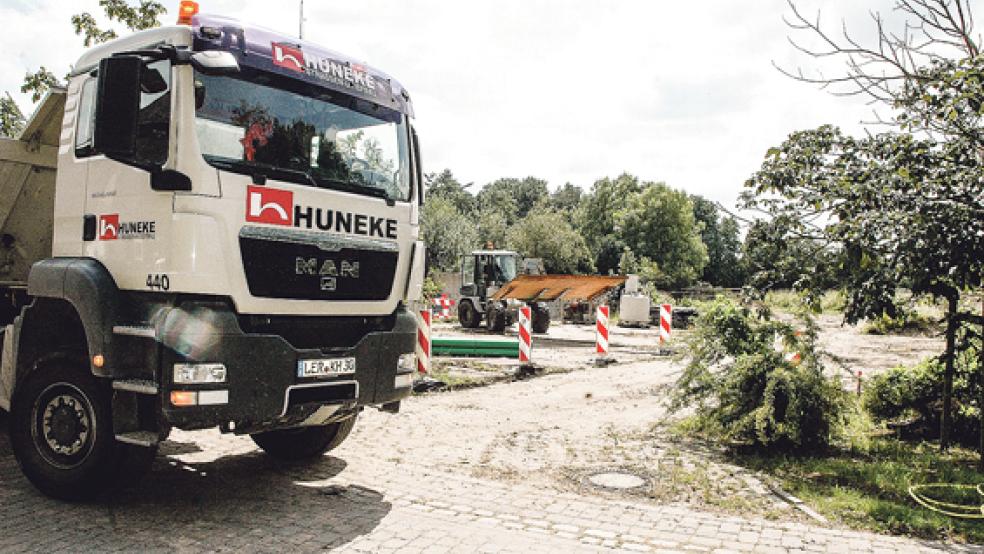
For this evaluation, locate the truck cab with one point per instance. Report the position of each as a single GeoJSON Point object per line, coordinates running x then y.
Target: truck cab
{"type": "Point", "coordinates": [229, 237]}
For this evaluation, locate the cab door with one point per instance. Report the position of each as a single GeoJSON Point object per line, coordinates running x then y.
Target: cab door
{"type": "Point", "coordinates": [133, 220]}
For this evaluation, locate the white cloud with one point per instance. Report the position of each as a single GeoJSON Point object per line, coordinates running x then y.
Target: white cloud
{"type": "Point", "coordinates": [567, 90]}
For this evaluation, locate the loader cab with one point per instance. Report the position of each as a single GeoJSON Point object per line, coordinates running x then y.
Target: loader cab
{"type": "Point", "coordinates": [483, 270]}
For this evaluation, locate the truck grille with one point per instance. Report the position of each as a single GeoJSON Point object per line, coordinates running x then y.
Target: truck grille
{"type": "Point", "coordinates": [311, 267]}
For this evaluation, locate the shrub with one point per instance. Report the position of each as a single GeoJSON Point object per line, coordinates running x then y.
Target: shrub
{"type": "Point", "coordinates": [907, 392]}
{"type": "Point", "coordinates": [903, 323]}
{"type": "Point", "coordinates": [431, 289]}
{"type": "Point", "coordinates": [746, 390]}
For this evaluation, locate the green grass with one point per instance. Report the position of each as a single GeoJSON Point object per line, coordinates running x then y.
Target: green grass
{"type": "Point", "coordinates": [789, 301]}
{"type": "Point", "coordinates": [868, 489]}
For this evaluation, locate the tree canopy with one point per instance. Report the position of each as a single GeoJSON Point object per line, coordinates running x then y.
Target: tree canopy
{"type": "Point", "coordinates": [135, 18]}
{"type": "Point", "coordinates": [658, 225]}
{"type": "Point", "coordinates": [545, 233]}
{"type": "Point", "coordinates": [720, 234]}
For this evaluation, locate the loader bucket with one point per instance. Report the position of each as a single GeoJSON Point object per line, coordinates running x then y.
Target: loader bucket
{"type": "Point", "coordinates": [569, 288]}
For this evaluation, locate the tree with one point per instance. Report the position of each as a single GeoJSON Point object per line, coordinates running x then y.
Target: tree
{"type": "Point", "coordinates": [524, 193]}
{"type": "Point", "coordinates": [445, 185]}
{"type": "Point", "coordinates": [492, 228]}
{"type": "Point", "coordinates": [658, 225]}
{"type": "Point", "coordinates": [493, 200]}
{"type": "Point", "coordinates": [898, 209]}
{"type": "Point", "coordinates": [545, 233]}
{"type": "Point", "coordinates": [932, 31]}
{"type": "Point", "coordinates": [11, 118]}
{"type": "Point", "coordinates": [144, 16]}
{"type": "Point", "coordinates": [774, 258]}
{"type": "Point", "coordinates": [448, 234]}
{"type": "Point", "coordinates": [595, 218]}
{"type": "Point", "coordinates": [566, 199]}
{"type": "Point", "coordinates": [916, 201]}
{"type": "Point", "coordinates": [720, 236]}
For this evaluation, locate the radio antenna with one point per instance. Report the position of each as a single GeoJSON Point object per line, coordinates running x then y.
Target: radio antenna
{"type": "Point", "coordinates": [300, 23]}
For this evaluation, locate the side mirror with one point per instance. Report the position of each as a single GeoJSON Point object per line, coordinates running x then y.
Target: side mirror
{"type": "Point", "coordinates": [117, 105]}
{"type": "Point", "coordinates": [215, 62]}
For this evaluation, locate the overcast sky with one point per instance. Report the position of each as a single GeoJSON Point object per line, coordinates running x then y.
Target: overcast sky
{"type": "Point", "coordinates": [565, 90]}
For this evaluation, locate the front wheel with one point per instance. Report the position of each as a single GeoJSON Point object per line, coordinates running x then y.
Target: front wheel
{"type": "Point", "coordinates": [468, 316]}
{"type": "Point", "coordinates": [495, 319]}
{"type": "Point", "coordinates": [304, 443]}
{"type": "Point", "coordinates": [61, 432]}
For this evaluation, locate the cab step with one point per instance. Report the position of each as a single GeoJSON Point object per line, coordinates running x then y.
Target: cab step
{"type": "Point", "coordinates": [139, 438]}
{"type": "Point", "coordinates": [140, 386]}
{"type": "Point", "coordinates": [135, 331]}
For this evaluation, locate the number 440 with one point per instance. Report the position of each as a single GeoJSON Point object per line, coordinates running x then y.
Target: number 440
{"type": "Point", "coordinates": [158, 281]}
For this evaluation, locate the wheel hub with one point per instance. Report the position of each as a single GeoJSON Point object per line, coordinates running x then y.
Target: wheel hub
{"type": "Point", "coordinates": [65, 425]}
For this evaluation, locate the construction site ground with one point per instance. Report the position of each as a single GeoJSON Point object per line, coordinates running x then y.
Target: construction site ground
{"type": "Point", "coordinates": [506, 467]}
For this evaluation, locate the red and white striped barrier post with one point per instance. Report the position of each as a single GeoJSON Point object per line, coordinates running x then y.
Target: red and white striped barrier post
{"type": "Point", "coordinates": [601, 336]}
{"type": "Point", "coordinates": [423, 349]}
{"type": "Point", "coordinates": [443, 305]}
{"type": "Point", "coordinates": [665, 323]}
{"type": "Point", "coordinates": [525, 336]}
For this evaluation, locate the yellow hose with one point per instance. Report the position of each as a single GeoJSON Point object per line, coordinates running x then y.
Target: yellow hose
{"type": "Point", "coordinates": [965, 511]}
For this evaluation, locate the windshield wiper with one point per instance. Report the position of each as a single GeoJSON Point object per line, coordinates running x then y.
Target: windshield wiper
{"type": "Point", "coordinates": [268, 171]}
{"type": "Point", "coordinates": [272, 171]}
{"type": "Point", "coordinates": [346, 186]}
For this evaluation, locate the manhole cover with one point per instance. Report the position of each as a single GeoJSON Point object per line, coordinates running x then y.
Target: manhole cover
{"type": "Point", "coordinates": [616, 480]}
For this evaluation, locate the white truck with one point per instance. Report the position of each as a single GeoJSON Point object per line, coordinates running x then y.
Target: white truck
{"type": "Point", "coordinates": [212, 225]}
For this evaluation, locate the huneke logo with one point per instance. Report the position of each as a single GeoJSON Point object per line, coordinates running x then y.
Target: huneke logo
{"type": "Point", "coordinates": [350, 75]}
{"type": "Point", "coordinates": [109, 227]}
{"type": "Point", "coordinates": [276, 207]}
{"type": "Point", "coordinates": [266, 205]}
{"type": "Point", "coordinates": [288, 56]}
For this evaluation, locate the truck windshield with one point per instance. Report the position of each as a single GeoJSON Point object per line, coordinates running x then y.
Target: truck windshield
{"type": "Point", "coordinates": [284, 129]}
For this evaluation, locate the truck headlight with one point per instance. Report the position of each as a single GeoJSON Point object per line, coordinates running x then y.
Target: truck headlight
{"type": "Point", "coordinates": [199, 373]}
{"type": "Point", "coordinates": [406, 363]}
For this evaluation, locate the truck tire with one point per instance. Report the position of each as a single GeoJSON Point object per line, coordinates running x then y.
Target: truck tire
{"type": "Point", "coordinates": [541, 320]}
{"type": "Point", "coordinates": [304, 443]}
{"type": "Point", "coordinates": [61, 432]}
{"type": "Point", "coordinates": [468, 316]}
{"type": "Point", "coordinates": [495, 319]}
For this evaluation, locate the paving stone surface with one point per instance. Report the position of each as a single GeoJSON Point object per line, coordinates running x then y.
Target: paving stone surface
{"type": "Point", "coordinates": [209, 492]}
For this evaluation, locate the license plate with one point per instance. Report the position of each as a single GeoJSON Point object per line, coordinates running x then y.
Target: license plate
{"type": "Point", "coordinates": [325, 367]}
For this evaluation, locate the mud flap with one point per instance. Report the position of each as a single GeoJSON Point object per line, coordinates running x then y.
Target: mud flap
{"type": "Point", "coordinates": [8, 364]}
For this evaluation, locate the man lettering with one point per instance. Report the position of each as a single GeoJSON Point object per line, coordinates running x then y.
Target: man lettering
{"type": "Point", "coordinates": [305, 266]}
{"type": "Point", "coordinates": [329, 268]}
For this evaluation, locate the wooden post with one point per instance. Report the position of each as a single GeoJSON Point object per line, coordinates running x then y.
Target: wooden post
{"type": "Point", "coordinates": [951, 338]}
{"type": "Point", "coordinates": [980, 401]}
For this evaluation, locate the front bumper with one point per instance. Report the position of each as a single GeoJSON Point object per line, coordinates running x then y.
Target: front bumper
{"type": "Point", "coordinates": [262, 386]}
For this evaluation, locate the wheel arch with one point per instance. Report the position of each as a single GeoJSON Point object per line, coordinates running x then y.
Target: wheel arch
{"type": "Point", "coordinates": [50, 330]}
{"type": "Point", "coordinates": [75, 307]}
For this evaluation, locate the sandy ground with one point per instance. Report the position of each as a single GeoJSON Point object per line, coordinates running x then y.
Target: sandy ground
{"type": "Point", "coordinates": [874, 353]}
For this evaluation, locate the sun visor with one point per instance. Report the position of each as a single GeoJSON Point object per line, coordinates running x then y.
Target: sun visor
{"type": "Point", "coordinates": [290, 57]}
